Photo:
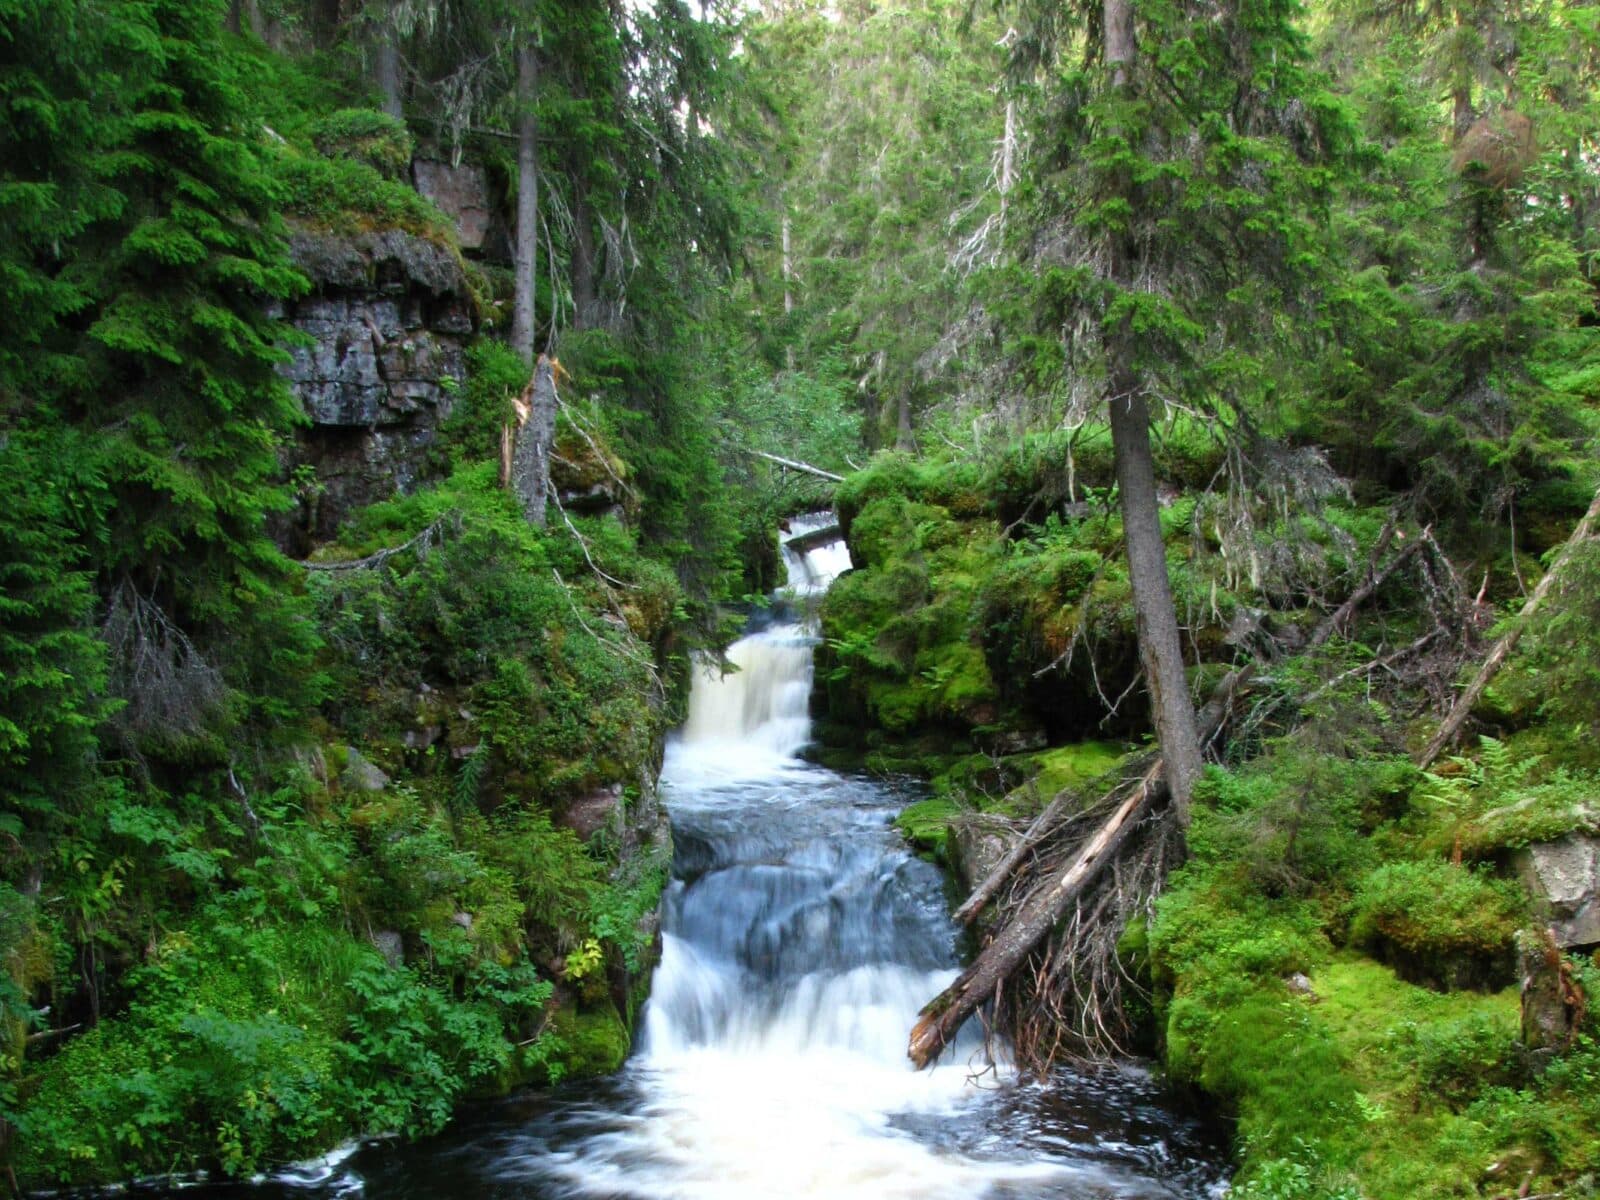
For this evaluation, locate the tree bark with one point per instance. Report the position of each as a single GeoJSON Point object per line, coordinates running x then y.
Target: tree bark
{"type": "Point", "coordinates": [530, 463]}
{"type": "Point", "coordinates": [527, 260]}
{"type": "Point", "coordinates": [1155, 617]}
{"type": "Point", "coordinates": [388, 72]}
{"type": "Point", "coordinates": [585, 295]}
{"type": "Point", "coordinates": [1462, 708]}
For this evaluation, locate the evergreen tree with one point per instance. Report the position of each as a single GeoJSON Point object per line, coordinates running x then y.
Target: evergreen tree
{"type": "Point", "coordinates": [1177, 186]}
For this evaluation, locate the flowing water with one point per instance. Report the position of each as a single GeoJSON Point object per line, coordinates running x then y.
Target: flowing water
{"type": "Point", "coordinates": [800, 939]}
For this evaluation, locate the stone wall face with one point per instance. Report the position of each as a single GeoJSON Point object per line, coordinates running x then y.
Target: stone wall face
{"type": "Point", "coordinates": [388, 321]}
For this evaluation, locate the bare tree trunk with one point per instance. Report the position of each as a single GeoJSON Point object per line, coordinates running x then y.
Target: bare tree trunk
{"type": "Point", "coordinates": [1008, 158]}
{"type": "Point", "coordinates": [530, 463]}
{"type": "Point", "coordinates": [387, 70]}
{"type": "Point", "coordinates": [527, 261]}
{"type": "Point", "coordinates": [902, 432]}
{"type": "Point", "coordinates": [1160, 647]}
{"type": "Point", "coordinates": [788, 270]}
{"type": "Point", "coordinates": [585, 296]}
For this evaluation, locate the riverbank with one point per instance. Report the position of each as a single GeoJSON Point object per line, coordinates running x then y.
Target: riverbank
{"type": "Point", "coordinates": [1351, 959]}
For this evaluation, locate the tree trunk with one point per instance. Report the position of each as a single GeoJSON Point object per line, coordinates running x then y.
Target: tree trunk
{"type": "Point", "coordinates": [788, 270]}
{"type": "Point", "coordinates": [386, 66]}
{"type": "Point", "coordinates": [585, 296]}
{"type": "Point", "coordinates": [1160, 648]}
{"type": "Point", "coordinates": [1156, 618]}
{"type": "Point", "coordinates": [530, 463]}
{"type": "Point", "coordinates": [1013, 941]}
{"type": "Point", "coordinates": [902, 430]}
{"type": "Point", "coordinates": [527, 260]}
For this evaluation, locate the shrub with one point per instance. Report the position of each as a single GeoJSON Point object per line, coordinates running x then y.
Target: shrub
{"type": "Point", "coordinates": [366, 136]}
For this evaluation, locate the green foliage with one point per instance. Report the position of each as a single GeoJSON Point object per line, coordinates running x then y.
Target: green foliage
{"type": "Point", "coordinates": [1431, 915]}
{"type": "Point", "coordinates": [349, 195]}
{"type": "Point", "coordinates": [380, 141]}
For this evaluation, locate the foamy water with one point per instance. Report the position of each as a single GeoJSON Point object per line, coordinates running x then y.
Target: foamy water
{"type": "Point", "coordinates": [800, 939]}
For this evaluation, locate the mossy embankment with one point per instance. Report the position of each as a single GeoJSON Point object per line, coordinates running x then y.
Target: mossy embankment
{"type": "Point", "coordinates": [1337, 963]}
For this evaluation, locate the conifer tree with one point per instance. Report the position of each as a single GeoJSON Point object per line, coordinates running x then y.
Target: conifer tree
{"type": "Point", "coordinates": [1174, 207]}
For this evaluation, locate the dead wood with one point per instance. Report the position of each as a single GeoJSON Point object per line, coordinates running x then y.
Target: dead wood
{"type": "Point", "coordinates": [1049, 902]}
{"type": "Point", "coordinates": [803, 467]}
{"type": "Point", "coordinates": [422, 542]}
{"type": "Point", "coordinates": [1210, 721]}
{"type": "Point", "coordinates": [1376, 578]}
{"type": "Point", "coordinates": [1451, 727]}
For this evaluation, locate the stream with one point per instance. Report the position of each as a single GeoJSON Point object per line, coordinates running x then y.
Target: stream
{"type": "Point", "coordinates": [800, 939]}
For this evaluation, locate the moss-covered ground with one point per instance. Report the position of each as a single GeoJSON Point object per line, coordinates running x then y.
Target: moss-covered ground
{"type": "Point", "coordinates": [1336, 962]}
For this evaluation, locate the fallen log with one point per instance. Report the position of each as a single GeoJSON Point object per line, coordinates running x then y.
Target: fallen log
{"type": "Point", "coordinates": [804, 543]}
{"type": "Point", "coordinates": [1012, 943]}
{"type": "Point", "coordinates": [1376, 577]}
{"type": "Point", "coordinates": [804, 468]}
{"type": "Point", "coordinates": [1459, 711]}
{"type": "Point", "coordinates": [1209, 720]}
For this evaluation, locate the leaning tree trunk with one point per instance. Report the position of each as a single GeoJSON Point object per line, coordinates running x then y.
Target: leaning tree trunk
{"type": "Point", "coordinates": [1155, 616]}
{"type": "Point", "coordinates": [527, 254]}
{"type": "Point", "coordinates": [530, 461]}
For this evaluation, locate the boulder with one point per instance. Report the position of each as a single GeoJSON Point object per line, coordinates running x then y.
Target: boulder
{"type": "Point", "coordinates": [391, 945]}
{"type": "Point", "coordinates": [1563, 881]}
{"type": "Point", "coordinates": [592, 812]}
{"type": "Point", "coordinates": [361, 774]}
{"type": "Point", "coordinates": [975, 846]}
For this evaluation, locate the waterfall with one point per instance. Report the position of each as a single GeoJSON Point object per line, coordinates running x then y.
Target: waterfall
{"type": "Point", "coordinates": [799, 940]}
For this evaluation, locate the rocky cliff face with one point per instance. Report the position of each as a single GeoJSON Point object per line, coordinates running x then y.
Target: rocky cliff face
{"type": "Point", "coordinates": [388, 321]}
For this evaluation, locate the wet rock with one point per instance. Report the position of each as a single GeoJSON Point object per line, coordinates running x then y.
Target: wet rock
{"type": "Point", "coordinates": [422, 738]}
{"type": "Point", "coordinates": [461, 192]}
{"type": "Point", "coordinates": [1563, 880]}
{"type": "Point", "coordinates": [391, 946]}
{"type": "Point", "coordinates": [361, 774]}
{"type": "Point", "coordinates": [592, 812]}
{"type": "Point", "coordinates": [1300, 985]}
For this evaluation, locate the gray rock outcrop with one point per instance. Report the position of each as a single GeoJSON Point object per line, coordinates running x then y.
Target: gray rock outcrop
{"type": "Point", "coordinates": [1563, 880]}
{"type": "Point", "coordinates": [387, 324]}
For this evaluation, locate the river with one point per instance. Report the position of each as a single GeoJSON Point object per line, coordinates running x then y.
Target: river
{"type": "Point", "coordinates": [799, 940]}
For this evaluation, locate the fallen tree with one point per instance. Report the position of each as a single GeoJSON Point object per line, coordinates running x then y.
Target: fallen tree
{"type": "Point", "coordinates": [1049, 902]}
{"type": "Point", "coordinates": [1053, 879]}
{"type": "Point", "coordinates": [1451, 727]}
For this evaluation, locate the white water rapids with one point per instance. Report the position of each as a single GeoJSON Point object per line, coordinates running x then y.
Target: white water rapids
{"type": "Point", "coordinates": [800, 938]}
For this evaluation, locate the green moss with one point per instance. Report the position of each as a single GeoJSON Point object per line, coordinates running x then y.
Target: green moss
{"type": "Point", "coordinates": [595, 1040]}
{"type": "Point", "coordinates": [926, 824]}
{"type": "Point", "coordinates": [1446, 924]}
{"type": "Point", "coordinates": [1063, 767]}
